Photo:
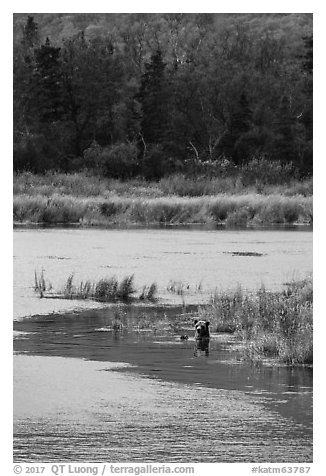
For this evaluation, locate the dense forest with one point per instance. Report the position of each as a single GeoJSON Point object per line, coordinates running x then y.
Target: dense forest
{"type": "Point", "coordinates": [127, 95]}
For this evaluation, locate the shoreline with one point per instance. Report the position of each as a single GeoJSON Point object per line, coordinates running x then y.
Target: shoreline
{"type": "Point", "coordinates": [160, 226]}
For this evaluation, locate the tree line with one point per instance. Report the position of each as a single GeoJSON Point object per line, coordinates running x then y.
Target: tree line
{"type": "Point", "coordinates": [160, 96]}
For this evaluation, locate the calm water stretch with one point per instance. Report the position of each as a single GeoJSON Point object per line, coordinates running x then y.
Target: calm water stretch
{"type": "Point", "coordinates": [83, 392]}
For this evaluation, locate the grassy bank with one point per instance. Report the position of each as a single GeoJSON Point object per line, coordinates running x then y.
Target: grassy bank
{"type": "Point", "coordinates": [270, 324]}
{"type": "Point", "coordinates": [63, 199]}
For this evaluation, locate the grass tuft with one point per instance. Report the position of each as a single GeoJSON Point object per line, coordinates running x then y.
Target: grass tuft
{"type": "Point", "coordinates": [149, 293]}
{"type": "Point", "coordinates": [270, 323]}
{"type": "Point", "coordinates": [105, 290]}
{"type": "Point", "coordinates": [40, 284]}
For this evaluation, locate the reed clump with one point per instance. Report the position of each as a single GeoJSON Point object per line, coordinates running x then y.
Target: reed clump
{"type": "Point", "coordinates": [104, 290]}
{"type": "Point", "coordinates": [40, 283]}
{"type": "Point", "coordinates": [149, 293]}
{"type": "Point", "coordinates": [272, 324]}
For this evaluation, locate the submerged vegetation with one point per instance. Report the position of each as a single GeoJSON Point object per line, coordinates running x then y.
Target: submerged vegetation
{"type": "Point", "coordinates": [270, 324]}
{"type": "Point", "coordinates": [104, 290]}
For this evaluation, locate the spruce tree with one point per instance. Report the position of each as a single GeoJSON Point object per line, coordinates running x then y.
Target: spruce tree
{"type": "Point", "coordinates": [153, 100]}
{"type": "Point", "coordinates": [48, 83]}
{"type": "Point", "coordinates": [24, 80]}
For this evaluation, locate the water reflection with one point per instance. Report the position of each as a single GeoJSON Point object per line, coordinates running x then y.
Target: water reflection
{"type": "Point", "coordinates": [201, 347]}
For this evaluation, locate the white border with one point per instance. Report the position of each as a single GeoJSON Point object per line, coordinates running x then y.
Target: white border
{"type": "Point", "coordinates": [6, 188]}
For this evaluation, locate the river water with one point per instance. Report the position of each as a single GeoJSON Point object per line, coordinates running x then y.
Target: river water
{"type": "Point", "coordinates": [83, 392]}
{"type": "Point", "coordinates": [202, 260]}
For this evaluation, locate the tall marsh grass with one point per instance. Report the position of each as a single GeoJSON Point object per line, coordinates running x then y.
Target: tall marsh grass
{"type": "Point", "coordinates": [40, 283]}
{"type": "Point", "coordinates": [275, 324]}
{"type": "Point", "coordinates": [84, 184]}
{"type": "Point", "coordinates": [234, 210]}
{"type": "Point", "coordinates": [104, 290]}
{"type": "Point", "coordinates": [81, 184]}
{"type": "Point", "coordinates": [57, 198]}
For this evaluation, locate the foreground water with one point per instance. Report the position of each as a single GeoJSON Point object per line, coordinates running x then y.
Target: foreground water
{"type": "Point", "coordinates": [83, 392]}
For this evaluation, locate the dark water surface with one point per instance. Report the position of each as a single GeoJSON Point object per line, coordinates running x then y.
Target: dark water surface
{"type": "Point", "coordinates": [83, 392]}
